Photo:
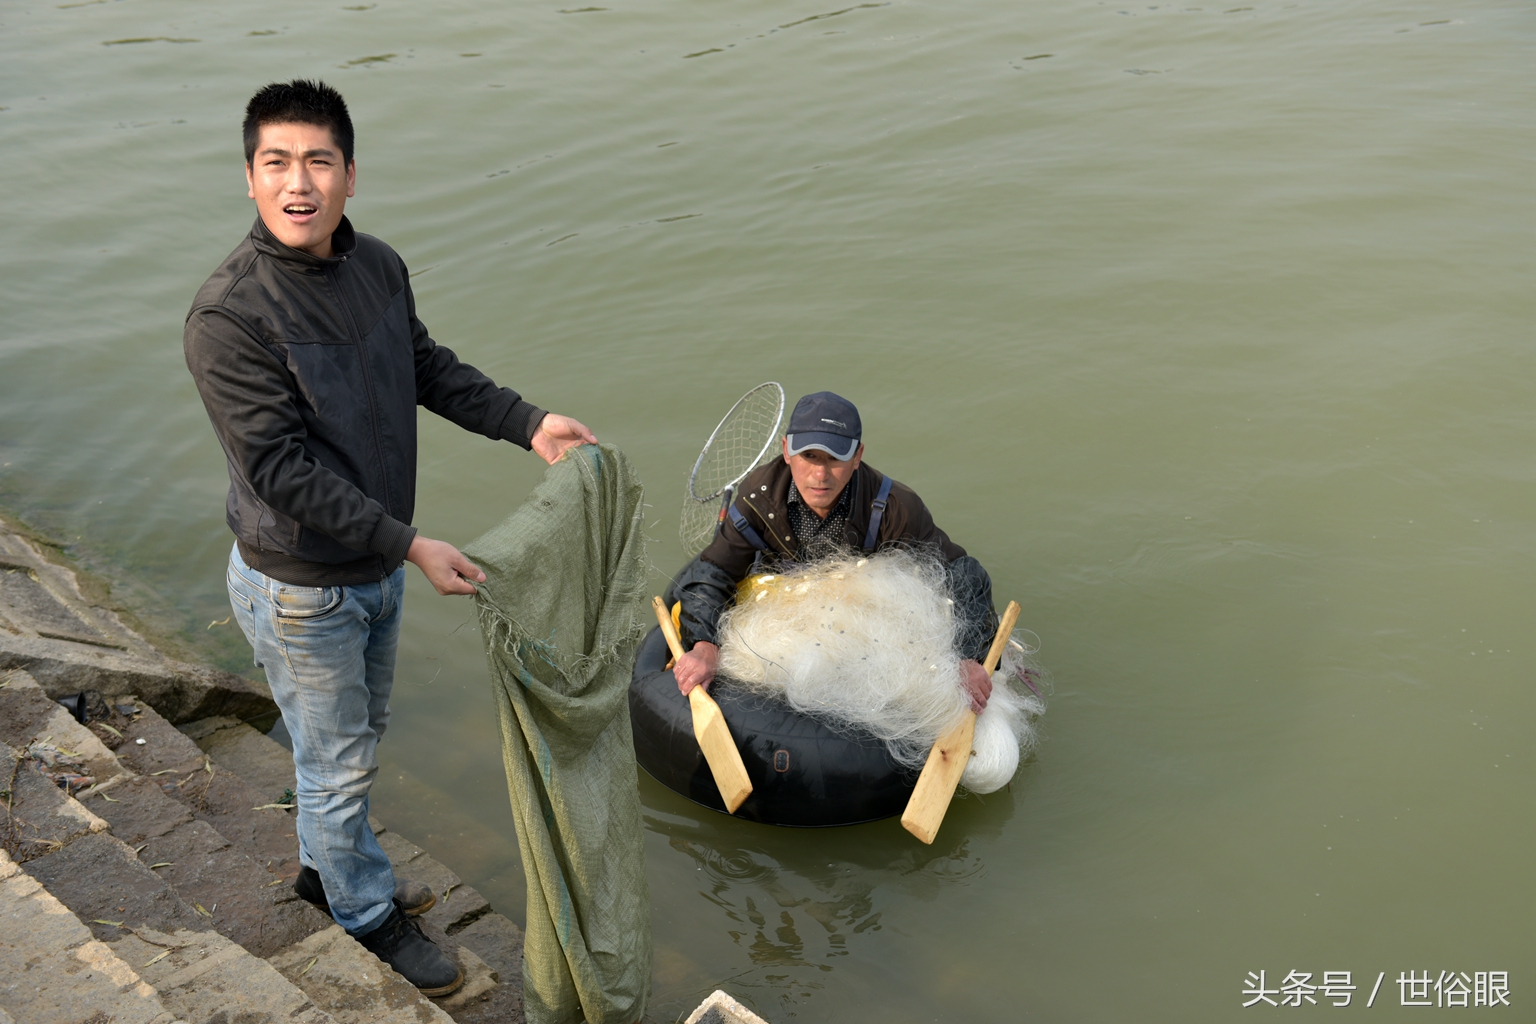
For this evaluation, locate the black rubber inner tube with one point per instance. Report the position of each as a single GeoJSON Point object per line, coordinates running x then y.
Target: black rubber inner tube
{"type": "Point", "coordinates": [803, 773]}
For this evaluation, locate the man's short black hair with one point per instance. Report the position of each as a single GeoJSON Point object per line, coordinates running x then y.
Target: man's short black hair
{"type": "Point", "coordinates": [300, 101]}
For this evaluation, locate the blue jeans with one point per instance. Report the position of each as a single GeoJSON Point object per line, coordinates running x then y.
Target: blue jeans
{"type": "Point", "coordinates": [329, 655]}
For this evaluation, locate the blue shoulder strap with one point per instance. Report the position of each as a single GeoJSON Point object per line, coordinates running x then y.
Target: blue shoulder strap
{"type": "Point", "coordinates": [877, 514]}
{"type": "Point", "coordinates": [745, 528]}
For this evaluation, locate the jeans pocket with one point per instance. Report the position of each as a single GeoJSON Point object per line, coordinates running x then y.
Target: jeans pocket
{"type": "Point", "coordinates": [237, 587]}
{"type": "Point", "coordinates": [290, 602]}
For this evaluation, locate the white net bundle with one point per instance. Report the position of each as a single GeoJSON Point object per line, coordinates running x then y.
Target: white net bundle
{"type": "Point", "coordinates": [868, 644]}
{"type": "Point", "coordinates": [743, 440]}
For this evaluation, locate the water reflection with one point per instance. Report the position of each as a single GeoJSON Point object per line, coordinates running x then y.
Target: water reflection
{"type": "Point", "coordinates": [797, 903]}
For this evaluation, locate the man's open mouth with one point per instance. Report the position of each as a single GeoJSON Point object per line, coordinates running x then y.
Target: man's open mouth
{"type": "Point", "coordinates": [300, 209]}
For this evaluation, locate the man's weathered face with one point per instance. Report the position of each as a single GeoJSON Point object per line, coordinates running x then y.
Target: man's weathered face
{"type": "Point", "coordinates": [819, 477]}
{"type": "Point", "coordinates": [300, 184]}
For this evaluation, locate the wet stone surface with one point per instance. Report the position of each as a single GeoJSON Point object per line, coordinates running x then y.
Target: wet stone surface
{"type": "Point", "coordinates": [100, 879]}
{"type": "Point", "coordinates": [233, 893]}
{"type": "Point", "coordinates": [41, 817]}
{"type": "Point", "coordinates": [25, 599]}
{"type": "Point", "coordinates": [213, 793]}
{"type": "Point", "coordinates": [137, 809]}
{"type": "Point", "coordinates": [24, 709]}
{"type": "Point", "coordinates": [350, 983]}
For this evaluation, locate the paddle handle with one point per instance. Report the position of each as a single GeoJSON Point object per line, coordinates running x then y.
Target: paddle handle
{"type": "Point", "coordinates": [1005, 626]}
{"type": "Point", "coordinates": [951, 752]}
{"type": "Point", "coordinates": [664, 620]}
{"type": "Point", "coordinates": [709, 726]}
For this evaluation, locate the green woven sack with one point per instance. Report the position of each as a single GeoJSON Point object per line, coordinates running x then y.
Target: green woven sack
{"type": "Point", "coordinates": [561, 612]}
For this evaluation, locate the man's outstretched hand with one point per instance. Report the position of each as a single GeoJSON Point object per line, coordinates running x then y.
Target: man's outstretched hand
{"type": "Point", "coordinates": [555, 434]}
{"type": "Point", "coordinates": [977, 684]}
{"type": "Point", "coordinates": [442, 564]}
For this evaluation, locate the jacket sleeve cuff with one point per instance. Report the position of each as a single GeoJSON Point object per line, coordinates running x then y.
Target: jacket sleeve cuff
{"type": "Point", "coordinates": [696, 631]}
{"type": "Point", "coordinates": [392, 539]}
{"type": "Point", "coordinates": [520, 423]}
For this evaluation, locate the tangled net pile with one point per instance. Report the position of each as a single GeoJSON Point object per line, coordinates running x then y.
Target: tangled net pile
{"type": "Point", "coordinates": [868, 644]}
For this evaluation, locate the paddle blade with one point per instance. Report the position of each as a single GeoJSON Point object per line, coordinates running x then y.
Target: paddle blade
{"type": "Point", "coordinates": [936, 786]}
{"type": "Point", "coordinates": [950, 754]}
{"type": "Point", "coordinates": [719, 749]}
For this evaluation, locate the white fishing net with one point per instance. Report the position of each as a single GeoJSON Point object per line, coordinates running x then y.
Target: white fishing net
{"type": "Point", "coordinates": [744, 439]}
{"type": "Point", "coordinates": [868, 643]}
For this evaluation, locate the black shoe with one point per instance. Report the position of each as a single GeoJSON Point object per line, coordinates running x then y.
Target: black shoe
{"type": "Point", "coordinates": [399, 943]}
{"type": "Point", "coordinates": [414, 897]}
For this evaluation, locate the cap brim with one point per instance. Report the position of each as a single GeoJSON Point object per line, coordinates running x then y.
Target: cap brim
{"type": "Point", "coordinates": [839, 447]}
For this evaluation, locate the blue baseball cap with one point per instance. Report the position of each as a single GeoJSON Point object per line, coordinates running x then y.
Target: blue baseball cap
{"type": "Point", "coordinates": [827, 422]}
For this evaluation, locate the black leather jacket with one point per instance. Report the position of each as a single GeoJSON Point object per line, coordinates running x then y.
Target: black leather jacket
{"type": "Point", "coordinates": [311, 370]}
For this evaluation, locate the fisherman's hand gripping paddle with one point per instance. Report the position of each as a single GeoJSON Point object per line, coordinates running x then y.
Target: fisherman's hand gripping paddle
{"type": "Point", "coordinates": [946, 761]}
{"type": "Point", "coordinates": [710, 730]}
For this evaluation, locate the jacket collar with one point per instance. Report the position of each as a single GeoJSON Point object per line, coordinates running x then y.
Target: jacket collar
{"type": "Point", "coordinates": [771, 495]}
{"type": "Point", "coordinates": [844, 503]}
{"type": "Point", "coordinates": [343, 245]}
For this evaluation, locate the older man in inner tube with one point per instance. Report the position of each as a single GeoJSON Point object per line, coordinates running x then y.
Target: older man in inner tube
{"type": "Point", "coordinates": [822, 499]}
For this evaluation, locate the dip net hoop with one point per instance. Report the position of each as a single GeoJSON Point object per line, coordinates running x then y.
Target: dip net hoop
{"type": "Point", "coordinates": [741, 442]}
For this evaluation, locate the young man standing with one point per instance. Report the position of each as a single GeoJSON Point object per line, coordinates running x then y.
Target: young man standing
{"type": "Point", "coordinates": [309, 357]}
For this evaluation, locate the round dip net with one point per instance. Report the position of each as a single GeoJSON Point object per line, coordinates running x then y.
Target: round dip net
{"type": "Point", "coordinates": [743, 440]}
{"type": "Point", "coordinates": [868, 644]}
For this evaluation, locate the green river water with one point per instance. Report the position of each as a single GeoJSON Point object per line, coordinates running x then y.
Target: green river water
{"type": "Point", "coordinates": [1206, 328]}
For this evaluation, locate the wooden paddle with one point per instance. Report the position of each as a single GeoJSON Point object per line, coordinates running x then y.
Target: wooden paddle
{"type": "Point", "coordinates": [709, 728]}
{"type": "Point", "coordinates": [951, 753]}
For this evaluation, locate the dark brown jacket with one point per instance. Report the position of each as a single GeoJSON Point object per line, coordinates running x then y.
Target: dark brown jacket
{"type": "Point", "coordinates": [708, 584]}
{"type": "Point", "coordinates": [764, 500]}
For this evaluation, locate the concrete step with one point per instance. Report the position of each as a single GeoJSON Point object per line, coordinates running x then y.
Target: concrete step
{"type": "Point", "coordinates": [462, 923]}
{"type": "Point", "coordinates": [240, 812]}
{"type": "Point", "coordinates": [244, 901]}
{"type": "Point", "coordinates": [133, 895]}
{"type": "Point", "coordinates": [256, 757]}
{"type": "Point", "coordinates": [185, 691]}
{"type": "Point", "coordinates": [240, 898]}
{"type": "Point", "coordinates": [498, 942]}
{"type": "Point", "coordinates": [53, 971]}
{"type": "Point", "coordinates": [40, 817]}
{"type": "Point", "coordinates": [223, 884]}
{"type": "Point", "coordinates": [481, 984]}
{"type": "Point", "coordinates": [200, 976]}
{"type": "Point", "coordinates": [27, 714]}
{"type": "Point", "coordinates": [201, 885]}
{"type": "Point", "coordinates": [458, 905]}
{"type": "Point", "coordinates": [69, 642]}
{"type": "Point", "coordinates": [103, 882]}
{"type": "Point", "coordinates": [41, 746]}
{"type": "Point", "coordinates": [207, 979]}
{"type": "Point", "coordinates": [353, 985]}
{"type": "Point", "coordinates": [42, 598]}
{"type": "Point", "coordinates": [188, 875]}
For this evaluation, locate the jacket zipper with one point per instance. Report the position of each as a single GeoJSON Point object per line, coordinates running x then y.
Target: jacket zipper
{"type": "Point", "coordinates": [362, 358]}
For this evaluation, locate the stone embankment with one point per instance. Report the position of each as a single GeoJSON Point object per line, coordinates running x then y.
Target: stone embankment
{"type": "Point", "coordinates": [148, 846]}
